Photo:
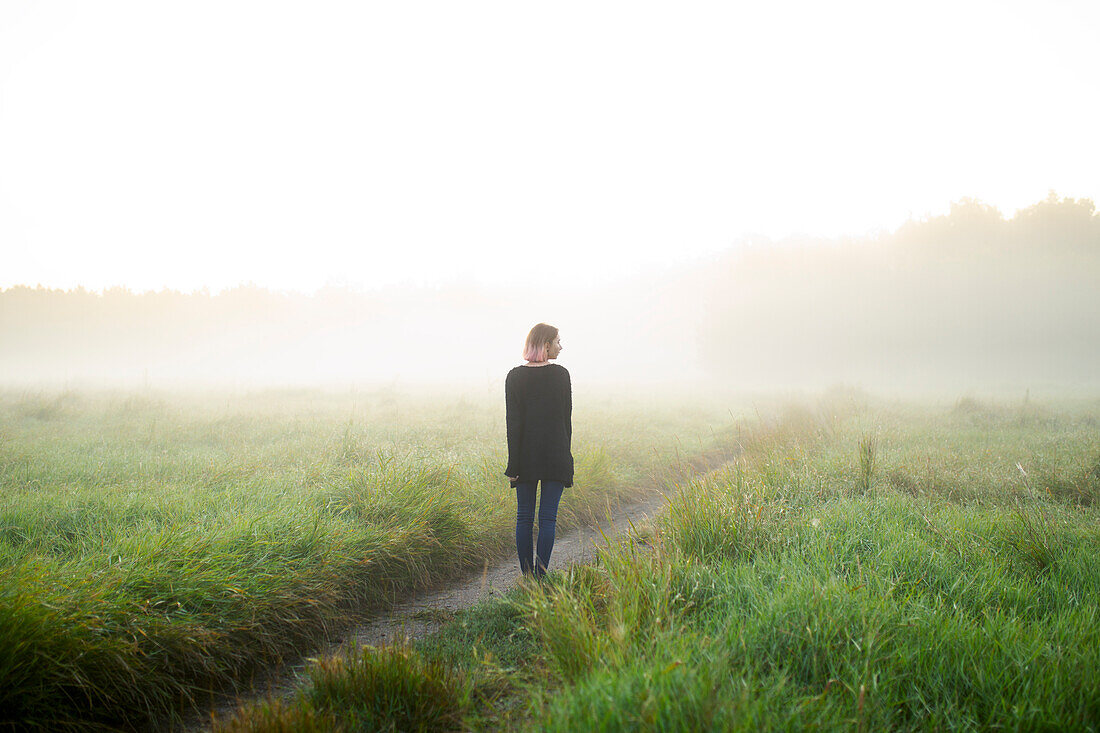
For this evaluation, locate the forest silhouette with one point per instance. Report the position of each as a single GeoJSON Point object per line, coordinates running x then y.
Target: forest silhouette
{"type": "Point", "coordinates": [969, 299]}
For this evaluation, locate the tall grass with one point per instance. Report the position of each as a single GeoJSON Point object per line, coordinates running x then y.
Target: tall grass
{"type": "Point", "coordinates": [868, 456]}
{"type": "Point", "coordinates": [155, 548]}
{"type": "Point", "coordinates": [776, 594]}
{"type": "Point", "coordinates": [389, 689]}
{"type": "Point", "coordinates": [836, 610]}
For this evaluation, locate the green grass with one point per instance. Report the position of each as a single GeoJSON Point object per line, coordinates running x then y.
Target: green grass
{"type": "Point", "coordinates": [155, 547]}
{"type": "Point", "coordinates": [882, 567]}
{"type": "Point", "coordinates": [389, 689]}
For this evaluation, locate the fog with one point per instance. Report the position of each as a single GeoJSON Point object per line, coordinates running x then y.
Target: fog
{"type": "Point", "coordinates": [970, 302]}
{"type": "Point", "coordinates": [245, 195]}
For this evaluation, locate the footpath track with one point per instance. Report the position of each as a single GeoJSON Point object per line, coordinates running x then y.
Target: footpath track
{"type": "Point", "coordinates": [424, 613]}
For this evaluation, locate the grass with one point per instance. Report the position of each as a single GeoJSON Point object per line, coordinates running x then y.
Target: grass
{"type": "Point", "coordinates": [156, 547]}
{"type": "Point", "coordinates": [868, 452]}
{"type": "Point", "coordinates": [389, 689]}
{"type": "Point", "coordinates": [917, 581]}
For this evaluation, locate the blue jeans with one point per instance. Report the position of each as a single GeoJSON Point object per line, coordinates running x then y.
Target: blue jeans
{"type": "Point", "coordinates": [525, 521]}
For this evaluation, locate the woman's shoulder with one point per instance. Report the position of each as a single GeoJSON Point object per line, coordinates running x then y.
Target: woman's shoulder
{"type": "Point", "coordinates": [547, 369]}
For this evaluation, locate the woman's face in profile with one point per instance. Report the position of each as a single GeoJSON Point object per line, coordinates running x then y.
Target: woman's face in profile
{"type": "Point", "coordinates": [554, 348]}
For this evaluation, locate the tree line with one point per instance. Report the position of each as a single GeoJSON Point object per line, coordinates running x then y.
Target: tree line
{"type": "Point", "coordinates": [968, 299]}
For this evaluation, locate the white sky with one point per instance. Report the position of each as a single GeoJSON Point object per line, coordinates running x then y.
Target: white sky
{"type": "Point", "coordinates": [188, 144]}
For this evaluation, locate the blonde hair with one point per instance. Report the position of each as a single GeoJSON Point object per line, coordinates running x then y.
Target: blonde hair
{"type": "Point", "coordinates": [535, 347]}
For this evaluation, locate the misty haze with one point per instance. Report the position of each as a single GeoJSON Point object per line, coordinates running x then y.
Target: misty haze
{"type": "Point", "coordinates": [968, 302]}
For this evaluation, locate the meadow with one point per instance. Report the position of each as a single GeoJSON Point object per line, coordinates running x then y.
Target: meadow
{"type": "Point", "coordinates": [859, 565]}
{"type": "Point", "coordinates": [157, 548]}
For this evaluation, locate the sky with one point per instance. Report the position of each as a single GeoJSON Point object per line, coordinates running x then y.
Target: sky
{"type": "Point", "coordinates": [378, 144]}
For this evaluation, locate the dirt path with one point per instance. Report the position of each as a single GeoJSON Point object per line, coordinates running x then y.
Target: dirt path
{"type": "Point", "coordinates": [415, 618]}
{"type": "Point", "coordinates": [424, 613]}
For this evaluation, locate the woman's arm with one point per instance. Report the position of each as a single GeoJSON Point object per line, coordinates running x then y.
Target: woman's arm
{"type": "Point", "coordinates": [569, 406]}
{"type": "Point", "coordinates": [513, 418]}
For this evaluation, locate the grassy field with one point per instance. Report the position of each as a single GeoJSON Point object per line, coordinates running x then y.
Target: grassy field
{"type": "Point", "coordinates": [857, 567]}
{"type": "Point", "coordinates": [155, 547]}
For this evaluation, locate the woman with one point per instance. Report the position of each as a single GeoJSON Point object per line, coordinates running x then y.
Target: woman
{"type": "Point", "coordinates": [538, 398]}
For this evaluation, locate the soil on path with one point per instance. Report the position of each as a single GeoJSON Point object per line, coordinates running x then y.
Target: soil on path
{"type": "Point", "coordinates": [424, 613]}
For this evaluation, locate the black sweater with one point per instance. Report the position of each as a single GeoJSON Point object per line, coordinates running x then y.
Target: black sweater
{"type": "Point", "coordinates": [539, 407]}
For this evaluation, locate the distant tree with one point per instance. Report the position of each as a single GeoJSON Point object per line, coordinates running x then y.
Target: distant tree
{"type": "Point", "coordinates": [965, 295]}
{"type": "Point", "coordinates": [1053, 223]}
{"type": "Point", "coordinates": [970, 229]}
